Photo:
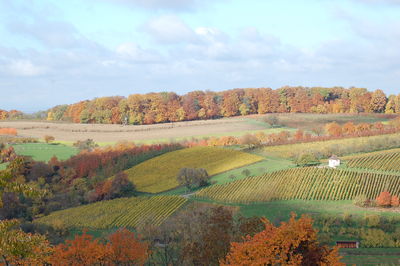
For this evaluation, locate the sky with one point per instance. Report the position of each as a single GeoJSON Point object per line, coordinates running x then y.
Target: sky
{"type": "Point", "coordinates": [56, 52]}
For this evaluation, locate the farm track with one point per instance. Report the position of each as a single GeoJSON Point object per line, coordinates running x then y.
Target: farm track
{"type": "Point", "coordinates": [114, 133]}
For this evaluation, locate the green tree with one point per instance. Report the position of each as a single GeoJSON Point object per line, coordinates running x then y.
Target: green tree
{"type": "Point", "coordinates": [9, 181]}
{"type": "Point", "coordinates": [306, 159]}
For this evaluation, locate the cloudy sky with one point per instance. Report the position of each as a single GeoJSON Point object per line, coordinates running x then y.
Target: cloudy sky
{"type": "Point", "coordinates": [54, 52]}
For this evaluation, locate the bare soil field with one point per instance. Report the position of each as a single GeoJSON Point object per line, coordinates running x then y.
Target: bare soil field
{"type": "Point", "coordinates": [115, 133]}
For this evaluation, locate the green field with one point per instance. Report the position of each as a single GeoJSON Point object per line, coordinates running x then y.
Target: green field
{"type": "Point", "coordinates": [44, 152]}
{"type": "Point", "coordinates": [122, 212]}
{"type": "Point", "coordinates": [282, 208]}
{"type": "Point", "coordinates": [159, 174]}
{"type": "Point", "coordinates": [371, 256]}
{"type": "Point", "coordinates": [268, 165]}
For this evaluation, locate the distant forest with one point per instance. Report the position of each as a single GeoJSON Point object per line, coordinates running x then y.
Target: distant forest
{"type": "Point", "coordinates": [151, 108]}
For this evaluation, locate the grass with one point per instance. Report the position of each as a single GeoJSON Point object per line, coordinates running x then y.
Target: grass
{"type": "Point", "coordinates": [44, 152]}
{"type": "Point", "coordinates": [371, 256]}
{"type": "Point", "coordinates": [270, 164]}
{"type": "Point", "coordinates": [159, 174]}
{"type": "Point", "coordinates": [283, 208]}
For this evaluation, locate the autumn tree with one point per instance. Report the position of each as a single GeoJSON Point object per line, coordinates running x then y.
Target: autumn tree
{"type": "Point", "coordinates": [9, 181]}
{"type": "Point", "coordinates": [333, 129]}
{"type": "Point", "coordinates": [395, 201]}
{"type": "Point", "coordinates": [292, 243]}
{"type": "Point", "coordinates": [384, 199]}
{"type": "Point", "coordinates": [127, 249]}
{"type": "Point", "coordinates": [250, 140]}
{"type": "Point", "coordinates": [20, 248]}
{"type": "Point", "coordinates": [82, 250]}
{"type": "Point", "coordinates": [349, 128]}
{"type": "Point", "coordinates": [192, 177]}
{"type": "Point", "coordinates": [378, 101]}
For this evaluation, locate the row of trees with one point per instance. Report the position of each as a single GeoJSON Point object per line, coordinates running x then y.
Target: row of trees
{"type": "Point", "coordinates": [13, 114]}
{"type": "Point", "coordinates": [169, 107]}
{"type": "Point", "coordinates": [328, 132]}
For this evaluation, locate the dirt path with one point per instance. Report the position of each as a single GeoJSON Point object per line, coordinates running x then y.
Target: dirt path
{"type": "Point", "coordinates": [114, 133]}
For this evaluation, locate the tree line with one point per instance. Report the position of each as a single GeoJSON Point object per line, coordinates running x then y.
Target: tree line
{"type": "Point", "coordinates": [151, 108]}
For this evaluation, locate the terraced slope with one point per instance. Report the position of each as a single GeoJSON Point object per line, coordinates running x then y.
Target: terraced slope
{"type": "Point", "coordinates": [123, 212]}
{"type": "Point", "coordinates": [304, 183]}
{"type": "Point", "coordinates": [159, 174]}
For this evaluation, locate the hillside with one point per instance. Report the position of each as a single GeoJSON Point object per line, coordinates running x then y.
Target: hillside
{"type": "Point", "coordinates": [159, 174]}
{"type": "Point", "coordinates": [304, 183]}
{"type": "Point", "coordinates": [123, 212]}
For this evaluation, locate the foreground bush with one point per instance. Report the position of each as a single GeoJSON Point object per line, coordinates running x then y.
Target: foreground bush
{"type": "Point", "coordinates": [384, 199]}
{"type": "Point", "coordinates": [292, 243]}
{"type": "Point", "coordinates": [361, 201]}
{"type": "Point", "coordinates": [123, 248]}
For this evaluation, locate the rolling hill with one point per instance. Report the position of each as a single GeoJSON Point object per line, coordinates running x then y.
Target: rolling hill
{"type": "Point", "coordinates": [159, 174]}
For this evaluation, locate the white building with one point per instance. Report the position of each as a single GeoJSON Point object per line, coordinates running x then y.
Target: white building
{"type": "Point", "coordinates": [334, 161]}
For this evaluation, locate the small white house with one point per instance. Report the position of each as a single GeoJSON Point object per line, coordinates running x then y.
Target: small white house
{"type": "Point", "coordinates": [334, 161]}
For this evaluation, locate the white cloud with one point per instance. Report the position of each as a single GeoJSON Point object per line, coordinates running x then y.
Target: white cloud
{"type": "Point", "coordinates": [175, 5]}
{"type": "Point", "coordinates": [25, 68]}
{"type": "Point", "coordinates": [169, 29]}
{"type": "Point", "coordinates": [134, 52]}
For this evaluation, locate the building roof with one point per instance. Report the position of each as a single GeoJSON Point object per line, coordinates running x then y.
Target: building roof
{"type": "Point", "coordinates": [334, 157]}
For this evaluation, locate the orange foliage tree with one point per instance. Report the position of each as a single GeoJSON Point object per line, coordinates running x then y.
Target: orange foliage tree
{"type": "Point", "coordinates": [123, 248]}
{"type": "Point", "coordinates": [126, 249]}
{"type": "Point", "coordinates": [334, 129]}
{"type": "Point", "coordinates": [292, 243]}
{"type": "Point", "coordinates": [8, 131]}
{"type": "Point", "coordinates": [384, 199]}
{"type": "Point", "coordinates": [395, 202]}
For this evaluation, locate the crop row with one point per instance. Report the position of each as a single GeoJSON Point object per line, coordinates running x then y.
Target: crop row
{"type": "Point", "coordinates": [303, 183]}
{"type": "Point", "coordinates": [123, 212]}
{"type": "Point", "coordinates": [382, 162]}
{"type": "Point", "coordinates": [159, 174]}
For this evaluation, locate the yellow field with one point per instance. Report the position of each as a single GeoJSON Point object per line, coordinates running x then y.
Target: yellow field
{"type": "Point", "coordinates": [159, 174]}
{"type": "Point", "coordinates": [123, 212]}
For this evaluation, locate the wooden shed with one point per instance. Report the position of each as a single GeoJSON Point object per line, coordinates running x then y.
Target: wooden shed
{"type": "Point", "coordinates": [348, 244]}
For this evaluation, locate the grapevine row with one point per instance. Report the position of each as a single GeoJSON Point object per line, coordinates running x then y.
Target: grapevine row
{"type": "Point", "coordinates": [124, 212]}
{"type": "Point", "coordinates": [304, 183]}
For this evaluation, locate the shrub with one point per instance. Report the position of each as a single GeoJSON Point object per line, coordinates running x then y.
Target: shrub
{"type": "Point", "coordinates": [376, 238]}
{"type": "Point", "coordinates": [395, 202]}
{"type": "Point", "coordinates": [48, 138]}
{"type": "Point", "coordinates": [372, 220]}
{"type": "Point", "coordinates": [246, 172]}
{"type": "Point", "coordinates": [361, 201]}
{"type": "Point", "coordinates": [384, 199]}
{"type": "Point", "coordinates": [307, 159]}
